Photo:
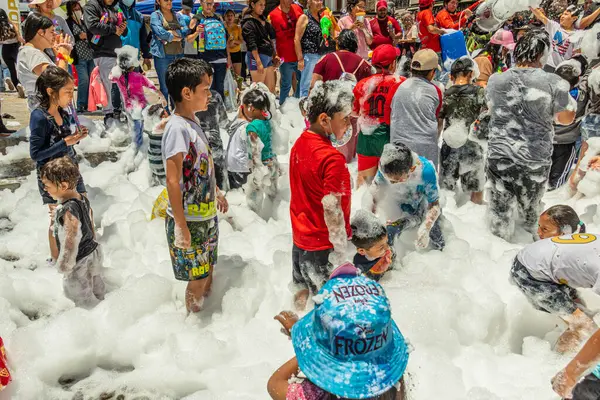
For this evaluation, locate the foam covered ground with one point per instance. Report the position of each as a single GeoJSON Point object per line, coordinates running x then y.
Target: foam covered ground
{"type": "Point", "coordinates": [474, 336]}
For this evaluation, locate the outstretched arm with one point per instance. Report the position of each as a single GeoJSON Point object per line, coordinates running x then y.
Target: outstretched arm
{"type": "Point", "coordinates": [588, 357]}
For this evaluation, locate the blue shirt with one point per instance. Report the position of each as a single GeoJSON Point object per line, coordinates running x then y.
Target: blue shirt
{"type": "Point", "coordinates": [412, 196]}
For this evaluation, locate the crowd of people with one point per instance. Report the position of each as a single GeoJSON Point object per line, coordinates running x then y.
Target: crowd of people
{"type": "Point", "coordinates": [521, 117]}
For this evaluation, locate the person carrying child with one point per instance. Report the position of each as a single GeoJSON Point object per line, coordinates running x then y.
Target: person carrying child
{"type": "Point", "coordinates": [131, 84]}
{"type": "Point", "coordinates": [550, 271]}
{"type": "Point", "coordinates": [461, 157]}
{"type": "Point", "coordinates": [191, 225]}
{"type": "Point", "coordinates": [348, 346]}
{"type": "Point", "coordinates": [373, 256]}
{"type": "Point", "coordinates": [80, 256]}
{"type": "Point", "coordinates": [52, 135]}
{"type": "Point", "coordinates": [372, 100]}
{"type": "Point", "coordinates": [405, 187]}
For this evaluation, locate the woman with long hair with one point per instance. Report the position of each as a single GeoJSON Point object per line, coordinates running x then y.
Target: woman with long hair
{"type": "Point", "coordinates": [168, 29]}
{"type": "Point", "coordinates": [10, 39]}
{"type": "Point", "coordinates": [83, 56]}
{"type": "Point", "coordinates": [258, 35]}
{"type": "Point", "coordinates": [41, 40]}
{"type": "Point", "coordinates": [356, 21]}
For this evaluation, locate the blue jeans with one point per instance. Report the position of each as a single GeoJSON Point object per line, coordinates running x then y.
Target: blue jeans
{"type": "Point", "coordinates": [138, 133]}
{"type": "Point", "coordinates": [84, 70]}
{"type": "Point", "coordinates": [218, 83]}
{"type": "Point", "coordinates": [161, 65]}
{"type": "Point", "coordinates": [310, 60]}
{"type": "Point", "coordinates": [4, 73]}
{"type": "Point", "coordinates": [287, 69]}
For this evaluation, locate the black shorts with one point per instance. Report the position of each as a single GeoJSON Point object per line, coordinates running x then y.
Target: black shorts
{"type": "Point", "coordinates": [587, 389]}
{"type": "Point", "coordinates": [311, 269]}
{"type": "Point", "coordinates": [236, 58]}
{"type": "Point", "coordinates": [47, 199]}
{"type": "Point", "coordinates": [545, 296]}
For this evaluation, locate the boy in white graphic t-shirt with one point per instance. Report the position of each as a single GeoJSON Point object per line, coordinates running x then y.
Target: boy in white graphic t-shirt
{"type": "Point", "coordinates": [550, 271]}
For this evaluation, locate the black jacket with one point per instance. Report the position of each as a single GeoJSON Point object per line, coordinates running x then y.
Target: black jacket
{"type": "Point", "coordinates": [258, 36]}
{"type": "Point", "coordinates": [108, 41]}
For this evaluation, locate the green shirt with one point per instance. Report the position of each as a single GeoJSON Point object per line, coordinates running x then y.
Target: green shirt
{"type": "Point", "coordinates": [262, 129]}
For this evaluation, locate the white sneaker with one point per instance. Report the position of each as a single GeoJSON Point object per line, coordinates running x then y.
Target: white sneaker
{"type": "Point", "coordinates": [8, 84]}
{"type": "Point", "coordinates": [21, 91]}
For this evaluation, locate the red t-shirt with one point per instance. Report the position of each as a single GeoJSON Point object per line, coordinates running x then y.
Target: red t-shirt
{"type": "Point", "coordinates": [316, 170]}
{"type": "Point", "coordinates": [285, 30]}
{"type": "Point", "coordinates": [373, 96]}
{"type": "Point", "coordinates": [330, 69]}
{"type": "Point", "coordinates": [428, 40]}
{"type": "Point", "coordinates": [381, 35]}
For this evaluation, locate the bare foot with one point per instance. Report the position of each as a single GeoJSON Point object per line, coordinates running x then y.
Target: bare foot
{"type": "Point", "coordinates": [300, 299]}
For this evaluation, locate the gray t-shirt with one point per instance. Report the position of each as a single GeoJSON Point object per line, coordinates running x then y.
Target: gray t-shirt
{"type": "Point", "coordinates": [198, 184]}
{"type": "Point", "coordinates": [27, 60]}
{"type": "Point", "coordinates": [523, 102]}
{"type": "Point", "coordinates": [415, 109]}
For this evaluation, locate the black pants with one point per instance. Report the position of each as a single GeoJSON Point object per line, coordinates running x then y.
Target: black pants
{"type": "Point", "coordinates": [587, 389]}
{"type": "Point", "coordinates": [563, 158]}
{"type": "Point", "coordinates": [9, 55]}
{"type": "Point", "coordinates": [237, 179]}
{"type": "Point", "coordinates": [218, 82]}
{"type": "Point", "coordinates": [515, 185]}
{"type": "Point", "coordinates": [467, 159]}
{"type": "Point", "coordinates": [310, 269]}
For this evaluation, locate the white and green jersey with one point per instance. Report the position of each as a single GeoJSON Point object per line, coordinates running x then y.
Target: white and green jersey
{"type": "Point", "coordinates": [572, 260]}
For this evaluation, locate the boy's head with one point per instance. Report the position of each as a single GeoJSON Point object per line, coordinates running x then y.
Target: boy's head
{"type": "Point", "coordinates": [385, 57]}
{"type": "Point", "coordinates": [59, 176]}
{"type": "Point", "coordinates": [559, 220]}
{"type": "Point", "coordinates": [569, 16]}
{"type": "Point", "coordinates": [397, 162]}
{"type": "Point", "coordinates": [424, 64]}
{"type": "Point", "coordinates": [188, 81]}
{"type": "Point", "coordinates": [464, 67]}
{"type": "Point", "coordinates": [532, 47]}
{"type": "Point", "coordinates": [369, 235]}
{"type": "Point", "coordinates": [572, 69]}
{"type": "Point", "coordinates": [329, 107]}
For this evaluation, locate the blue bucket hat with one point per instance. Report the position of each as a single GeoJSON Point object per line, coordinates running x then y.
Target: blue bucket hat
{"type": "Point", "coordinates": [348, 344]}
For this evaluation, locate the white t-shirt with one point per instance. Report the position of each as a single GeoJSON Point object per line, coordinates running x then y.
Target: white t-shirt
{"type": "Point", "coordinates": [27, 60]}
{"type": "Point", "coordinates": [237, 150]}
{"type": "Point", "coordinates": [564, 44]}
{"type": "Point", "coordinates": [198, 184]}
{"type": "Point", "coordinates": [572, 260]}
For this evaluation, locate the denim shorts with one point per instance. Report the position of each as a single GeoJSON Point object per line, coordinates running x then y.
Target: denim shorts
{"type": "Point", "coordinates": [267, 61]}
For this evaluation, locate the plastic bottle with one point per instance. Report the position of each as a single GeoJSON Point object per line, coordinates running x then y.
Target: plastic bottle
{"type": "Point", "coordinates": [201, 34]}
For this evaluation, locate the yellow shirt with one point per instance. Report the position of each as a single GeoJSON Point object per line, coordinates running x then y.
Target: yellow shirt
{"type": "Point", "coordinates": [235, 33]}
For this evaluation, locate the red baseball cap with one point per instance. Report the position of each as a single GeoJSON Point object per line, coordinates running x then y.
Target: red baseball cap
{"type": "Point", "coordinates": [381, 4]}
{"type": "Point", "coordinates": [385, 55]}
{"type": "Point", "coordinates": [425, 3]}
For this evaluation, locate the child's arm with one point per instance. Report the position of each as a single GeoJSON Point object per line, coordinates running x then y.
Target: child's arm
{"type": "Point", "coordinates": [148, 83]}
{"type": "Point", "coordinates": [254, 146]}
{"type": "Point", "coordinates": [423, 233]}
{"type": "Point", "coordinates": [68, 250]}
{"type": "Point", "coordinates": [174, 169]}
{"type": "Point", "coordinates": [588, 357]}
{"type": "Point", "coordinates": [278, 383]}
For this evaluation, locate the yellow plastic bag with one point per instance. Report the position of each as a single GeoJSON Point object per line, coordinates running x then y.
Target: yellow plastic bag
{"type": "Point", "coordinates": [159, 209]}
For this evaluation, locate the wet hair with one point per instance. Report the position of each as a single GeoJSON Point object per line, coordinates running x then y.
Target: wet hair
{"type": "Point", "coordinates": [569, 73]}
{"type": "Point", "coordinates": [257, 99]}
{"type": "Point", "coordinates": [60, 170]}
{"type": "Point", "coordinates": [421, 74]}
{"type": "Point", "coordinates": [362, 241]}
{"type": "Point", "coordinates": [185, 73]}
{"type": "Point", "coordinates": [34, 23]}
{"type": "Point", "coordinates": [574, 10]}
{"type": "Point", "coordinates": [462, 67]}
{"type": "Point", "coordinates": [155, 110]}
{"type": "Point", "coordinates": [531, 47]}
{"type": "Point", "coordinates": [564, 216]}
{"type": "Point", "coordinates": [396, 159]}
{"type": "Point", "coordinates": [320, 101]}
{"type": "Point", "coordinates": [303, 104]}
{"type": "Point", "coordinates": [53, 78]}
{"type": "Point", "coordinates": [347, 40]}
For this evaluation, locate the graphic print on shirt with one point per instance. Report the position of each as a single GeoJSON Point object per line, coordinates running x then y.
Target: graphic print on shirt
{"type": "Point", "coordinates": [561, 45]}
{"type": "Point", "coordinates": [198, 198]}
{"type": "Point", "coordinates": [578, 238]}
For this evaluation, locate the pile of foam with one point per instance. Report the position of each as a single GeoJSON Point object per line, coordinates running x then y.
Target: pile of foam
{"type": "Point", "coordinates": [473, 333]}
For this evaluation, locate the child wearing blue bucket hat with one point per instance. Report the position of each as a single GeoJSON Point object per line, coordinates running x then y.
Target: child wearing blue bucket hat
{"type": "Point", "coordinates": [348, 346]}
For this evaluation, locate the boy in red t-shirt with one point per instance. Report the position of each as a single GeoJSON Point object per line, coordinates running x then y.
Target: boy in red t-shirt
{"type": "Point", "coordinates": [320, 189]}
{"type": "Point", "coordinates": [429, 33]}
{"type": "Point", "coordinates": [283, 20]}
{"type": "Point", "coordinates": [372, 103]}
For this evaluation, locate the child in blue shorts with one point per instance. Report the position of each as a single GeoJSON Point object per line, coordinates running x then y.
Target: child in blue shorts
{"type": "Point", "coordinates": [406, 189]}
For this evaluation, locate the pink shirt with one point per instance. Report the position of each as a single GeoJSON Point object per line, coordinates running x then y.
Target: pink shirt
{"type": "Point", "coordinates": [363, 48]}
{"type": "Point", "coordinates": [135, 96]}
